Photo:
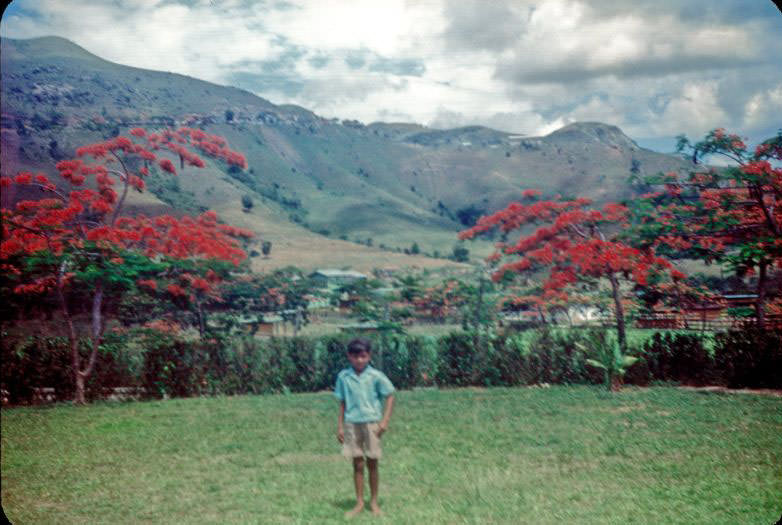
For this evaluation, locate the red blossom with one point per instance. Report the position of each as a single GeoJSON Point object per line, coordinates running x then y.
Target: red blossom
{"type": "Point", "coordinates": [176, 290]}
{"type": "Point", "coordinates": [167, 165]}
{"type": "Point", "coordinates": [24, 178]}
{"type": "Point", "coordinates": [147, 283]}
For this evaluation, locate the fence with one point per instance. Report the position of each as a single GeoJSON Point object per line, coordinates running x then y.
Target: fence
{"type": "Point", "coordinates": [699, 322]}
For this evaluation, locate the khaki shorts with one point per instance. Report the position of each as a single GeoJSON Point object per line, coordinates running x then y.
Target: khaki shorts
{"type": "Point", "coordinates": [361, 440]}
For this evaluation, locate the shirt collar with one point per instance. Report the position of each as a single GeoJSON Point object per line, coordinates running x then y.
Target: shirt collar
{"type": "Point", "coordinates": [352, 372]}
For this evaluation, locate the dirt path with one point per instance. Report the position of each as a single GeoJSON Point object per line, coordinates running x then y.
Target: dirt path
{"type": "Point", "coordinates": [726, 390]}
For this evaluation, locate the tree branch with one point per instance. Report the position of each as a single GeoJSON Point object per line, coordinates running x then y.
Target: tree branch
{"type": "Point", "coordinates": [124, 190]}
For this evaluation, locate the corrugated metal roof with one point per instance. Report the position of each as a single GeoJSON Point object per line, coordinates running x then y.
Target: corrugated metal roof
{"type": "Point", "coordinates": [339, 273]}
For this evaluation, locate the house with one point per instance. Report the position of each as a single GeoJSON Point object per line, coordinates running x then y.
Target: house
{"type": "Point", "coordinates": [363, 327]}
{"type": "Point", "coordinates": [271, 325]}
{"type": "Point", "coordinates": [329, 278]}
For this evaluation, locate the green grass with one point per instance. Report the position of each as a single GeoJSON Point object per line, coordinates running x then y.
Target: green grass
{"type": "Point", "coordinates": [558, 455]}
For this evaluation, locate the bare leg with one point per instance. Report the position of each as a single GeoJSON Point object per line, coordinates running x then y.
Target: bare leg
{"type": "Point", "coordinates": [373, 485]}
{"type": "Point", "coordinates": [358, 480]}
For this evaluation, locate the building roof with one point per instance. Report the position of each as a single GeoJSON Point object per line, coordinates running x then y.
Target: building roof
{"type": "Point", "coordinates": [339, 273]}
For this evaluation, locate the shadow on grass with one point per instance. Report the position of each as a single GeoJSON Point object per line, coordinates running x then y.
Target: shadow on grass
{"type": "Point", "coordinates": [344, 504]}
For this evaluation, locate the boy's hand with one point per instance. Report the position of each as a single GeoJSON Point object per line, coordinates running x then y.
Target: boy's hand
{"type": "Point", "coordinates": [381, 428]}
{"type": "Point", "coordinates": [340, 435]}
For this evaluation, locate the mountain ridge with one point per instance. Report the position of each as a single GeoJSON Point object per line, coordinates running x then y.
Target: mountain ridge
{"type": "Point", "coordinates": [389, 184]}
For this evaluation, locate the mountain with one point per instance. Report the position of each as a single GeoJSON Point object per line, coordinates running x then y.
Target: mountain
{"type": "Point", "coordinates": [390, 183]}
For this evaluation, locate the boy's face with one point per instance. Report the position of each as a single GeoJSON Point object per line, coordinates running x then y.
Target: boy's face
{"type": "Point", "coordinates": [359, 361]}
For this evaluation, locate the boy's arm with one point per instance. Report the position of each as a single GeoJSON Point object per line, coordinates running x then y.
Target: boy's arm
{"type": "Point", "coordinates": [341, 423]}
{"type": "Point", "coordinates": [383, 426]}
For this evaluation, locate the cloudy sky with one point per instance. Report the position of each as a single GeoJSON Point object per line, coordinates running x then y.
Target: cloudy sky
{"type": "Point", "coordinates": [655, 68]}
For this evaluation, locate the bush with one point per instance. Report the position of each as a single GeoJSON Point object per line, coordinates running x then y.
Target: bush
{"type": "Point", "coordinates": [749, 358]}
{"type": "Point", "coordinates": [173, 366]}
{"type": "Point", "coordinates": [554, 356]}
{"type": "Point", "coordinates": [119, 364]}
{"type": "Point", "coordinates": [168, 365]}
{"type": "Point", "coordinates": [679, 357]}
{"type": "Point", "coordinates": [35, 362]}
{"type": "Point", "coordinates": [457, 360]}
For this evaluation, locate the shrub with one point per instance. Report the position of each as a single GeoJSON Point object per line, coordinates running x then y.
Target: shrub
{"type": "Point", "coordinates": [174, 366]}
{"type": "Point", "coordinates": [554, 356]}
{"type": "Point", "coordinates": [749, 358]}
{"type": "Point", "coordinates": [34, 362]}
{"type": "Point", "coordinates": [457, 360]}
{"type": "Point", "coordinates": [171, 365]}
{"type": "Point", "coordinates": [119, 364]}
{"type": "Point", "coordinates": [679, 357]}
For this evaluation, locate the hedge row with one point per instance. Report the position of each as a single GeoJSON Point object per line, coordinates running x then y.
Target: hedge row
{"type": "Point", "coordinates": [162, 365]}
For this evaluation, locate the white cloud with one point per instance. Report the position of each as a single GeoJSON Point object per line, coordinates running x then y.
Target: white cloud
{"type": "Point", "coordinates": [519, 65]}
{"type": "Point", "coordinates": [765, 109]}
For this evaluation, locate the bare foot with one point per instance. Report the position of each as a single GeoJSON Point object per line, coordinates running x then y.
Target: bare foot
{"type": "Point", "coordinates": [355, 511]}
{"type": "Point", "coordinates": [375, 508]}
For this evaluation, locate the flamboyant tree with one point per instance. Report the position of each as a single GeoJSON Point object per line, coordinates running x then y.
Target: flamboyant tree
{"type": "Point", "coordinates": [575, 245]}
{"type": "Point", "coordinates": [76, 242]}
{"type": "Point", "coordinates": [730, 215]}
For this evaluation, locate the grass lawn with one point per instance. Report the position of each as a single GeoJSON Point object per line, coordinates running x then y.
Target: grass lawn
{"type": "Point", "coordinates": [528, 455]}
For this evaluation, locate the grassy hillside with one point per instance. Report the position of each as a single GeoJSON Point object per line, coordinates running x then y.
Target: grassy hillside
{"type": "Point", "coordinates": [391, 184]}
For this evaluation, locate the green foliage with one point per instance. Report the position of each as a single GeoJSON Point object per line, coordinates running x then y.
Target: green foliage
{"type": "Point", "coordinates": [40, 361]}
{"type": "Point", "coordinates": [410, 287]}
{"type": "Point", "coordinates": [680, 357]}
{"type": "Point", "coordinates": [750, 357]}
{"type": "Point", "coordinates": [555, 356]}
{"type": "Point", "coordinates": [460, 253]}
{"type": "Point", "coordinates": [479, 357]}
{"type": "Point", "coordinates": [170, 365]}
{"type": "Point", "coordinates": [173, 367]}
{"type": "Point", "coordinates": [33, 362]}
{"type": "Point", "coordinates": [479, 303]}
{"type": "Point", "coordinates": [458, 360]}
{"type": "Point", "coordinates": [608, 357]}
{"type": "Point", "coordinates": [247, 203]}
{"type": "Point", "coordinates": [469, 215]}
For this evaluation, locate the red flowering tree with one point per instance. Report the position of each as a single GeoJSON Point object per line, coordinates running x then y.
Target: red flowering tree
{"type": "Point", "coordinates": [572, 244]}
{"type": "Point", "coordinates": [439, 301]}
{"type": "Point", "coordinates": [76, 242]}
{"type": "Point", "coordinates": [730, 215]}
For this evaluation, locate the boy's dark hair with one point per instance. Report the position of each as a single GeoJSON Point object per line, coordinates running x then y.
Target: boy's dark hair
{"type": "Point", "coordinates": [356, 346]}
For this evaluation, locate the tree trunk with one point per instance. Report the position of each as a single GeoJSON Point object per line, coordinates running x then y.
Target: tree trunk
{"type": "Point", "coordinates": [761, 292]}
{"type": "Point", "coordinates": [73, 341]}
{"type": "Point", "coordinates": [680, 308]}
{"type": "Point", "coordinates": [201, 320]}
{"type": "Point", "coordinates": [542, 316]}
{"type": "Point", "coordinates": [618, 313]}
{"type": "Point", "coordinates": [297, 321]}
{"type": "Point", "coordinates": [96, 335]}
{"type": "Point", "coordinates": [79, 398]}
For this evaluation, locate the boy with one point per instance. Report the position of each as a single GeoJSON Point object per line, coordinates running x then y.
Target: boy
{"type": "Point", "coordinates": [361, 390]}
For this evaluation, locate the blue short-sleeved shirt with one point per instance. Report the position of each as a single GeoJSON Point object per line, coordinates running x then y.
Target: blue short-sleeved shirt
{"type": "Point", "coordinates": [363, 393]}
